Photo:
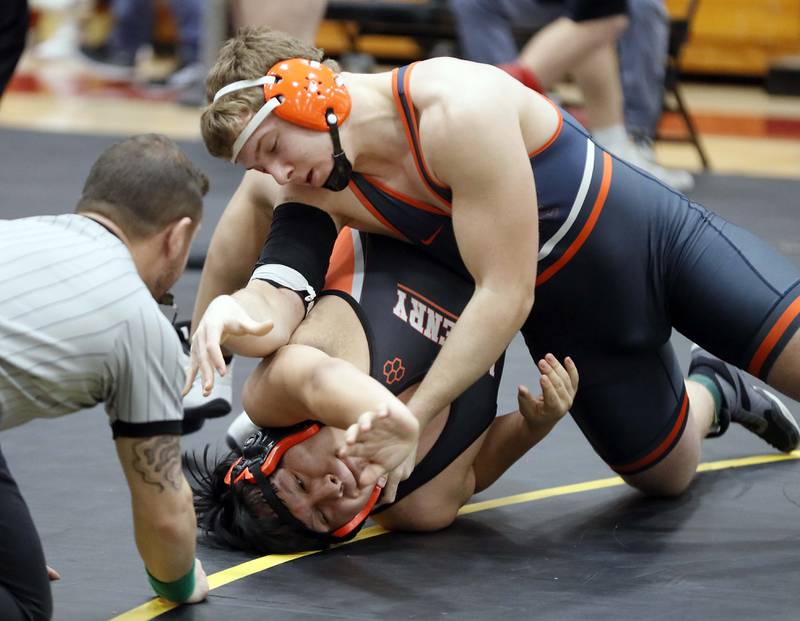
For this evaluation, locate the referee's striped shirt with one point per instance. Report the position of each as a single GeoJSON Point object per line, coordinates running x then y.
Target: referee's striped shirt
{"type": "Point", "coordinates": [78, 327]}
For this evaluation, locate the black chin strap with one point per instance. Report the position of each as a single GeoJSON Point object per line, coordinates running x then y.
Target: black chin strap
{"type": "Point", "coordinates": [342, 168]}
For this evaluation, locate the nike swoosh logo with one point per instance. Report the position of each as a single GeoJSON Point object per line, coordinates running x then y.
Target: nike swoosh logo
{"type": "Point", "coordinates": [429, 241]}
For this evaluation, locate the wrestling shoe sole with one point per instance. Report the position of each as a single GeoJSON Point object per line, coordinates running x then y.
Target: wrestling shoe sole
{"type": "Point", "coordinates": [784, 420]}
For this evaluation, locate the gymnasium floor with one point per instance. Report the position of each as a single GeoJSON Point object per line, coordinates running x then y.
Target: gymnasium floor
{"type": "Point", "coordinates": [557, 538]}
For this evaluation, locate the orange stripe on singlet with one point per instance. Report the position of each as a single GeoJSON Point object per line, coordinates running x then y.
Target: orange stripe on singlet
{"type": "Point", "coordinates": [556, 133]}
{"type": "Point", "coordinates": [378, 215]}
{"type": "Point", "coordinates": [773, 337]}
{"type": "Point", "coordinates": [599, 202]}
{"type": "Point", "coordinates": [406, 199]}
{"type": "Point", "coordinates": [411, 134]}
{"type": "Point", "coordinates": [430, 303]}
{"type": "Point", "coordinates": [665, 445]}
{"type": "Point", "coordinates": [343, 263]}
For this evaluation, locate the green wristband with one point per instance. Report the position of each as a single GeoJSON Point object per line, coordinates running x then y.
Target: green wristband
{"type": "Point", "coordinates": [176, 591]}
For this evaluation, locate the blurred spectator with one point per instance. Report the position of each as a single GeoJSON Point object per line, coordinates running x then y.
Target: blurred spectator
{"type": "Point", "coordinates": [299, 18]}
{"type": "Point", "coordinates": [133, 29]}
{"type": "Point", "coordinates": [13, 31]}
{"type": "Point", "coordinates": [623, 103]}
{"type": "Point", "coordinates": [65, 17]}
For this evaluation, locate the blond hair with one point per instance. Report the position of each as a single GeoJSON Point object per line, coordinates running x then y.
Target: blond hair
{"type": "Point", "coordinates": [248, 55]}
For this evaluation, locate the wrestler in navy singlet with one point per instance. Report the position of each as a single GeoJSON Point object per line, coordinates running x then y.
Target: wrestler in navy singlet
{"type": "Point", "coordinates": [622, 260]}
{"type": "Point", "coordinates": [407, 305]}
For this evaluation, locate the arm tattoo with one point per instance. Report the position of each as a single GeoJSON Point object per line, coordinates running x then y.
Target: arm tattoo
{"type": "Point", "coordinates": [158, 460]}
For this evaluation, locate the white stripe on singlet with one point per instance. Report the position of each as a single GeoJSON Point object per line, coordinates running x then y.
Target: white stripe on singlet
{"type": "Point", "coordinates": [358, 265]}
{"type": "Point", "coordinates": [577, 204]}
{"type": "Point", "coordinates": [78, 326]}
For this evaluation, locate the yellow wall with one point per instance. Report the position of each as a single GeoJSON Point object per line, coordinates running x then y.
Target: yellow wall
{"type": "Point", "coordinates": [739, 37]}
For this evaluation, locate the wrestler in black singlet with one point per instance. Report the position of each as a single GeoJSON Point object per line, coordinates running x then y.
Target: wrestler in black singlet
{"type": "Point", "coordinates": [406, 305]}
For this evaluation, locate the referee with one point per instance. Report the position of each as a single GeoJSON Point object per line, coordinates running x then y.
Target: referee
{"type": "Point", "coordinates": [79, 324]}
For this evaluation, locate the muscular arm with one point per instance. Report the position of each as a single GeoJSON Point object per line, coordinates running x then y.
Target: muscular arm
{"type": "Point", "coordinates": [496, 227]}
{"type": "Point", "coordinates": [258, 319]}
{"type": "Point", "coordinates": [300, 382]}
{"type": "Point", "coordinates": [237, 240]}
{"type": "Point", "coordinates": [163, 513]}
{"type": "Point", "coordinates": [509, 437]}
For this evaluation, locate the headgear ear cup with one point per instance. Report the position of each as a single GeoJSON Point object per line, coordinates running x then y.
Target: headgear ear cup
{"type": "Point", "coordinates": [308, 90]}
{"type": "Point", "coordinates": [300, 91]}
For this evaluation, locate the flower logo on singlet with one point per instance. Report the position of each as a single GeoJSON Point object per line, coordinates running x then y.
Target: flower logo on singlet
{"type": "Point", "coordinates": [393, 370]}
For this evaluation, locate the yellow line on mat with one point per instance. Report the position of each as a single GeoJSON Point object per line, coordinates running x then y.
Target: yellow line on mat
{"type": "Point", "coordinates": [156, 606]}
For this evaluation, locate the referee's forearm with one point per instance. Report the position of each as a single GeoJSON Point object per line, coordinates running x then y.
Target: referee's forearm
{"type": "Point", "coordinates": [166, 539]}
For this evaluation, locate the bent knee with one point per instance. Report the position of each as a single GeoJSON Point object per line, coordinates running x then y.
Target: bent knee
{"type": "Point", "coordinates": [660, 486]}
{"type": "Point", "coordinates": [609, 28]}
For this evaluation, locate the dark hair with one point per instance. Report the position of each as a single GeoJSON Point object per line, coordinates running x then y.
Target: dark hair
{"type": "Point", "coordinates": [142, 184]}
{"type": "Point", "coordinates": [238, 517]}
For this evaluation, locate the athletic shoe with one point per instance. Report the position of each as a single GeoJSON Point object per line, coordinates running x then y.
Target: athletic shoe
{"type": "Point", "coordinates": [239, 431]}
{"type": "Point", "coordinates": [109, 63]}
{"type": "Point", "coordinates": [184, 76]}
{"type": "Point", "coordinates": [643, 157]}
{"type": "Point", "coordinates": [753, 407]}
{"type": "Point", "coordinates": [681, 180]}
{"type": "Point", "coordinates": [195, 404]}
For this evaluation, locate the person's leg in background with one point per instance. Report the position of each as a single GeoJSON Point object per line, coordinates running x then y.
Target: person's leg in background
{"type": "Point", "coordinates": [300, 18]}
{"type": "Point", "coordinates": [598, 79]}
{"type": "Point", "coordinates": [133, 27]}
{"type": "Point", "coordinates": [24, 586]}
{"type": "Point", "coordinates": [13, 31]}
{"type": "Point", "coordinates": [642, 62]}
{"type": "Point", "coordinates": [484, 29]}
{"type": "Point", "coordinates": [188, 16]}
{"type": "Point", "coordinates": [485, 32]}
{"type": "Point", "coordinates": [561, 46]}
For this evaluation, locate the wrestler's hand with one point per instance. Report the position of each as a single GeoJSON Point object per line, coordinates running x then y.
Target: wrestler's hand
{"type": "Point", "coordinates": [387, 439]}
{"type": "Point", "coordinates": [223, 318]}
{"type": "Point", "coordinates": [52, 574]}
{"type": "Point", "coordinates": [559, 386]}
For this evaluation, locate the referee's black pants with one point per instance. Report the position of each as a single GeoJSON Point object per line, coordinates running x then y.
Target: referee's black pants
{"type": "Point", "coordinates": [13, 30]}
{"type": "Point", "coordinates": [24, 586]}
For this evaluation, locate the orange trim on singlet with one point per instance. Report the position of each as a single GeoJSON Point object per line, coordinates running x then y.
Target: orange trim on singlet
{"type": "Point", "coordinates": [342, 266]}
{"type": "Point", "coordinates": [666, 444]}
{"type": "Point", "coordinates": [378, 215]}
{"type": "Point", "coordinates": [407, 199]}
{"type": "Point", "coordinates": [419, 162]}
{"type": "Point", "coordinates": [599, 202]}
{"type": "Point", "coordinates": [772, 338]}
{"type": "Point", "coordinates": [556, 133]}
{"type": "Point", "coordinates": [427, 301]}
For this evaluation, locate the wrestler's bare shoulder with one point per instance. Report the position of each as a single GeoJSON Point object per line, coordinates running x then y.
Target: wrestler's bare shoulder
{"type": "Point", "coordinates": [450, 93]}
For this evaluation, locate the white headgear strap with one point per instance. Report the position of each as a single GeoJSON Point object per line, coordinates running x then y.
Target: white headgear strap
{"type": "Point", "coordinates": [257, 118]}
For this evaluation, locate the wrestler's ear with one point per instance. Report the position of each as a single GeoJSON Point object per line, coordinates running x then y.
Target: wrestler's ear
{"type": "Point", "coordinates": [178, 237]}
